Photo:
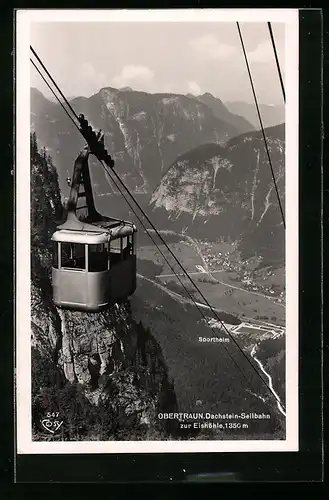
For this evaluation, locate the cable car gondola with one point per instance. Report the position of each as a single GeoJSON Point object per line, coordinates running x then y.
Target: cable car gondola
{"type": "Point", "coordinates": [94, 258]}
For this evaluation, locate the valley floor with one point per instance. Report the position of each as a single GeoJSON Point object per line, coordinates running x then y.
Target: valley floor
{"type": "Point", "coordinates": [248, 295]}
{"type": "Point", "coordinates": [254, 319]}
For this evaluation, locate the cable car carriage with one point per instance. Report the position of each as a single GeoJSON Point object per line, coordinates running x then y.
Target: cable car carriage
{"type": "Point", "coordinates": [94, 258]}
{"type": "Point", "coordinates": [92, 269]}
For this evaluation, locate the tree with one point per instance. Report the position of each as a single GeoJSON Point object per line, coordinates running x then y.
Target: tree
{"type": "Point", "coordinates": [33, 144]}
{"type": "Point", "coordinates": [46, 205]}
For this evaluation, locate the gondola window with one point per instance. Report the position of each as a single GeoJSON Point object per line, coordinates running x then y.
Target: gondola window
{"type": "Point", "coordinates": [73, 256]}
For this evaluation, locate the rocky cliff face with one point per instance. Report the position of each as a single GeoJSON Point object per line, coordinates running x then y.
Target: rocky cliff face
{"type": "Point", "coordinates": [112, 365]}
{"type": "Point", "coordinates": [103, 373]}
{"type": "Point", "coordinates": [227, 192]}
{"type": "Point", "coordinates": [144, 133]}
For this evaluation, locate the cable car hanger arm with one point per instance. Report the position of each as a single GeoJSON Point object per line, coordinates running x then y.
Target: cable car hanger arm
{"type": "Point", "coordinates": [95, 141]}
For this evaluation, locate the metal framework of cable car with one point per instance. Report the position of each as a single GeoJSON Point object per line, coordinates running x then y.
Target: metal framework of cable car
{"type": "Point", "coordinates": [94, 257]}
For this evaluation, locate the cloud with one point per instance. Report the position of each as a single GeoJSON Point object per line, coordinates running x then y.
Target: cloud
{"type": "Point", "coordinates": [194, 88]}
{"type": "Point", "coordinates": [138, 77]}
{"type": "Point", "coordinates": [90, 80]}
{"type": "Point", "coordinates": [262, 53]}
{"type": "Point", "coordinates": [209, 48]}
{"type": "Point", "coordinates": [88, 71]}
{"type": "Point", "coordinates": [81, 80]}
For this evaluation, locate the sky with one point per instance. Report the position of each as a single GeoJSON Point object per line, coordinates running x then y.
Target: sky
{"type": "Point", "coordinates": [177, 57]}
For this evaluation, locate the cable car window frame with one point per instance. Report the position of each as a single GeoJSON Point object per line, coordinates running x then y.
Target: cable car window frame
{"type": "Point", "coordinates": [133, 242]}
{"type": "Point", "coordinates": [116, 250]}
{"type": "Point", "coordinates": [124, 239]}
{"type": "Point", "coordinates": [104, 250]}
{"type": "Point", "coordinates": [129, 245]}
{"type": "Point", "coordinates": [56, 255]}
{"type": "Point", "coordinates": [71, 253]}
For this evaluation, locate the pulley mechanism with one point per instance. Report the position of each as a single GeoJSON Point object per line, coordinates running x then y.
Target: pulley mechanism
{"type": "Point", "coordinates": [95, 141]}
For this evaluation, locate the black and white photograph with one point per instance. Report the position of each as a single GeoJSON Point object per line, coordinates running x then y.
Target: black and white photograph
{"type": "Point", "coordinates": [157, 230]}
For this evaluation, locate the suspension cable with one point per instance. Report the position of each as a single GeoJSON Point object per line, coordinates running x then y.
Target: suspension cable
{"type": "Point", "coordinates": [68, 114]}
{"type": "Point", "coordinates": [277, 61]}
{"type": "Point", "coordinates": [109, 172]}
{"type": "Point", "coordinates": [53, 81]}
{"type": "Point", "coordinates": [261, 124]}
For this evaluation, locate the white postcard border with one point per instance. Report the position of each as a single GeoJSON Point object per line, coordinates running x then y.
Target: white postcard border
{"type": "Point", "coordinates": [25, 445]}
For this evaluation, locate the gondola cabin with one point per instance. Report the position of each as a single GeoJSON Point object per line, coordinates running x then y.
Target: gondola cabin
{"type": "Point", "coordinates": [93, 269]}
{"type": "Point", "coordinates": [94, 257]}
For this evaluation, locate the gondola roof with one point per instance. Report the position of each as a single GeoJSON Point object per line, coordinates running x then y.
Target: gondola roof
{"type": "Point", "coordinates": [92, 238]}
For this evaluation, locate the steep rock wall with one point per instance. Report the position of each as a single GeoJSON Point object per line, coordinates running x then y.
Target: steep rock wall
{"type": "Point", "coordinates": [228, 192]}
{"type": "Point", "coordinates": [103, 373]}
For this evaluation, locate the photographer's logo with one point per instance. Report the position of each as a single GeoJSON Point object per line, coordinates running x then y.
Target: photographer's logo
{"type": "Point", "coordinates": [51, 422]}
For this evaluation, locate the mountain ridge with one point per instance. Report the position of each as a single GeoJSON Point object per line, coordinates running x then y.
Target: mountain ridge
{"type": "Point", "coordinates": [271, 115]}
{"type": "Point", "coordinates": [221, 111]}
{"type": "Point", "coordinates": [144, 132]}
